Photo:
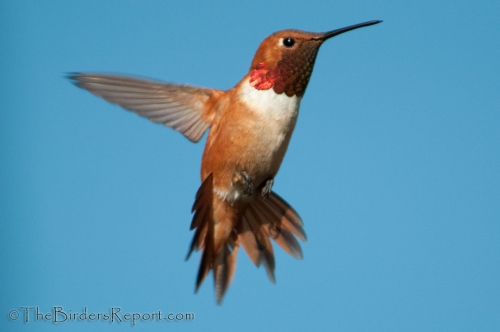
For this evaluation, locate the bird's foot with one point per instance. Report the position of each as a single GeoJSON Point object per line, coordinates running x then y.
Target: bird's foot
{"type": "Point", "coordinates": [247, 183]}
{"type": "Point", "coordinates": [267, 188]}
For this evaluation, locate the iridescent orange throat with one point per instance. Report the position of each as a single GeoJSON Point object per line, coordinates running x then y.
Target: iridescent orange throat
{"type": "Point", "coordinates": [262, 78]}
{"type": "Point", "coordinates": [291, 74]}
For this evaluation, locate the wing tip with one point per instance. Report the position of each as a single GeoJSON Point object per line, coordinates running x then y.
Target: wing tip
{"type": "Point", "coordinates": [73, 77]}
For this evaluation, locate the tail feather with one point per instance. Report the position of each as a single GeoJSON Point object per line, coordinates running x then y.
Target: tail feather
{"type": "Point", "coordinates": [275, 228]}
{"type": "Point", "coordinates": [248, 240]}
{"type": "Point", "coordinates": [262, 220]}
{"type": "Point", "coordinates": [266, 254]}
{"type": "Point", "coordinates": [203, 215]}
{"type": "Point", "coordinates": [291, 220]}
{"type": "Point", "coordinates": [198, 240]}
{"type": "Point", "coordinates": [202, 202]}
{"type": "Point", "coordinates": [204, 235]}
{"type": "Point", "coordinates": [224, 267]}
{"type": "Point", "coordinates": [206, 264]}
{"type": "Point", "coordinates": [221, 273]}
{"type": "Point", "coordinates": [232, 262]}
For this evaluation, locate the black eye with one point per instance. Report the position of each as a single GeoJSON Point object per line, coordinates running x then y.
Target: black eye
{"type": "Point", "coordinates": [288, 41]}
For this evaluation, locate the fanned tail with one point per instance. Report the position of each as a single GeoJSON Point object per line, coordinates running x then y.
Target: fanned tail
{"type": "Point", "coordinates": [263, 219]}
{"type": "Point", "coordinates": [270, 218]}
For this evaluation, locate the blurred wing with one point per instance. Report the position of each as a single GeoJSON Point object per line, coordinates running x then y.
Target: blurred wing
{"type": "Point", "coordinates": [181, 107]}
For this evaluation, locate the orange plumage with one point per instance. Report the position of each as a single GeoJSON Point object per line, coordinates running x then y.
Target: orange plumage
{"type": "Point", "coordinates": [250, 129]}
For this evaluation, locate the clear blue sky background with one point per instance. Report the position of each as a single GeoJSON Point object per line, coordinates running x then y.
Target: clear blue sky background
{"type": "Point", "coordinates": [394, 166]}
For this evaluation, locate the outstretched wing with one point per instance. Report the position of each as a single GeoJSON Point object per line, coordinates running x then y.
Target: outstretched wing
{"type": "Point", "coordinates": [181, 107]}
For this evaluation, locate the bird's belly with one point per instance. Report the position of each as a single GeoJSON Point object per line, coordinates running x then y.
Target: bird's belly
{"type": "Point", "coordinates": [262, 156]}
{"type": "Point", "coordinates": [255, 143]}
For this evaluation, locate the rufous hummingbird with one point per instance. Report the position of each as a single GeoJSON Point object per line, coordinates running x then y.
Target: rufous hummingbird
{"type": "Point", "coordinates": [250, 128]}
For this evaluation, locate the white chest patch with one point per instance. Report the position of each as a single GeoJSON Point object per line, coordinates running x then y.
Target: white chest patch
{"type": "Point", "coordinates": [269, 105]}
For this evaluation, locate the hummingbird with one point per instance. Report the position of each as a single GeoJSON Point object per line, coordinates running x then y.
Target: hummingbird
{"type": "Point", "coordinates": [250, 127]}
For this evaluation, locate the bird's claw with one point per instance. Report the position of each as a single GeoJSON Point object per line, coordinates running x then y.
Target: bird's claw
{"type": "Point", "coordinates": [267, 188]}
{"type": "Point", "coordinates": [247, 184]}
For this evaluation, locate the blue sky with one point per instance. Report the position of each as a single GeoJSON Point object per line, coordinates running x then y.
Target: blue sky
{"type": "Point", "coordinates": [393, 166]}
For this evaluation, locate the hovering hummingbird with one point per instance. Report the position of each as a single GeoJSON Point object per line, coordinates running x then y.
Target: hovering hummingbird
{"type": "Point", "coordinates": [250, 128]}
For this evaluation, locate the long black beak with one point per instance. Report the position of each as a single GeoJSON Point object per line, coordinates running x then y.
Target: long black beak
{"type": "Point", "coordinates": [337, 32]}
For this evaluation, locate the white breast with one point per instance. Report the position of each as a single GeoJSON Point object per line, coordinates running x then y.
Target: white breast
{"type": "Point", "coordinates": [270, 106]}
{"type": "Point", "coordinates": [276, 115]}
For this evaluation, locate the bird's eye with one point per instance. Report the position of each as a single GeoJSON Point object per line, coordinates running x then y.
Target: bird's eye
{"type": "Point", "coordinates": [288, 41]}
